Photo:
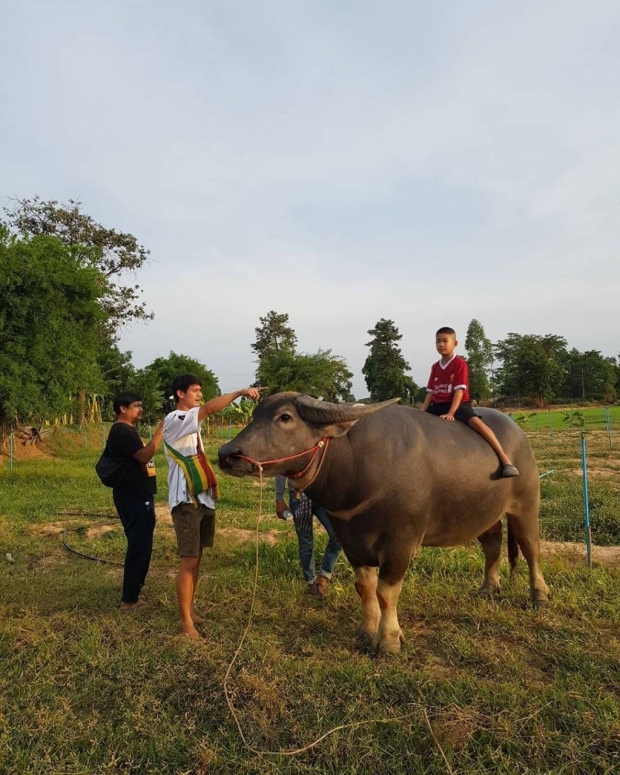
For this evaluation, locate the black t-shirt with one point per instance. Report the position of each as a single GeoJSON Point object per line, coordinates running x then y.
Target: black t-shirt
{"type": "Point", "coordinates": [123, 442]}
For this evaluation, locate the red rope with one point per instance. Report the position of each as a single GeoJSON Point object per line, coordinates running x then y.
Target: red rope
{"type": "Point", "coordinates": [315, 450]}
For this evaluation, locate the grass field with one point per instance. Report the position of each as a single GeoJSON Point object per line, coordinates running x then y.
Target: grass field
{"type": "Point", "coordinates": [492, 687]}
{"type": "Point", "coordinates": [591, 417]}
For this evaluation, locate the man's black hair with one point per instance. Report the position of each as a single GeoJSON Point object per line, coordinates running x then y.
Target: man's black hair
{"type": "Point", "coordinates": [183, 382]}
{"type": "Point", "coordinates": [124, 399]}
{"type": "Point", "coordinates": [445, 330]}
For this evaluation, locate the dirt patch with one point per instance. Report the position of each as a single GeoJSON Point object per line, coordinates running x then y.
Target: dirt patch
{"type": "Point", "coordinates": [25, 452]}
{"type": "Point", "coordinates": [596, 473]}
{"type": "Point", "coordinates": [56, 528]}
{"type": "Point", "coordinates": [97, 532]}
{"type": "Point", "coordinates": [455, 726]}
{"type": "Point", "coordinates": [269, 537]}
{"type": "Point", "coordinates": [607, 556]}
{"type": "Point", "coordinates": [162, 513]}
{"type": "Point", "coordinates": [49, 528]}
{"type": "Point", "coordinates": [45, 561]}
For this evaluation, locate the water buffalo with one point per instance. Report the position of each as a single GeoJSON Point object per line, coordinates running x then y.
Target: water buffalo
{"type": "Point", "coordinates": [393, 479]}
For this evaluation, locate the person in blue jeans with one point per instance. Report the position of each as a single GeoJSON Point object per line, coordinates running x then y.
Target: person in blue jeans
{"type": "Point", "coordinates": [303, 510]}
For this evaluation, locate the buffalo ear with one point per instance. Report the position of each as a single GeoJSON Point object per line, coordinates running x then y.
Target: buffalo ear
{"type": "Point", "coordinates": [335, 429]}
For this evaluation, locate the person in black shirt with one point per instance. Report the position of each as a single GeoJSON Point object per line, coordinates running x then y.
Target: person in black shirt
{"type": "Point", "coordinates": [133, 495]}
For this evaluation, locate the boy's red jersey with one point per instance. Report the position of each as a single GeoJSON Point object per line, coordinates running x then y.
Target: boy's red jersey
{"type": "Point", "coordinates": [444, 380]}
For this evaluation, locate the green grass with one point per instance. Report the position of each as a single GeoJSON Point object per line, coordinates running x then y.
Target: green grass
{"type": "Point", "coordinates": [86, 689]}
{"type": "Point", "coordinates": [594, 418]}
{"type": "Point", "coordinates": [562, 506]}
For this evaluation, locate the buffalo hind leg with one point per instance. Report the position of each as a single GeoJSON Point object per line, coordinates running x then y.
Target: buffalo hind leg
{"type": "Point", "coordinates": [525, 530]}
{"type": "Point", "coordinates": [366, 588]}
{"type": "Point", "coordinates": [491, 541]}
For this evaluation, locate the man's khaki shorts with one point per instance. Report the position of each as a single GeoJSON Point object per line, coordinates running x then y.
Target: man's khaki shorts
{"type": "Point", "coordinates": [195, 528]}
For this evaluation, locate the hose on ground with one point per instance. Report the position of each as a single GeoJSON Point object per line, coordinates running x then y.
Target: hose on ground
{"type": "Point", "coordinates": [75, 551]}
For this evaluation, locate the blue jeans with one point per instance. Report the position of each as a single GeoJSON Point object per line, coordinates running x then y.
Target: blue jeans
{"type": "Point", "coordinates": [305, 539]}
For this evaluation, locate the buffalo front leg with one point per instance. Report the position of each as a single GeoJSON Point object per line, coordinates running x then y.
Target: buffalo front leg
{"type": "Point", "coordinates": [389, 635]}
{"type": "Point", "coordinates": [366, 588]}
{"type": "Point", "coordinates": [491, 542]}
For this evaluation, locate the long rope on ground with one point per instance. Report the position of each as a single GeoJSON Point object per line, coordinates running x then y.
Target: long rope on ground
{"type": "Point", "coordinates": [228, 693]}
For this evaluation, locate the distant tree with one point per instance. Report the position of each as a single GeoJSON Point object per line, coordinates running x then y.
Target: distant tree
{"type": "Point", "coordinates": [116, 368]}
{"type": "Point", "coordinates": [320, 374]}
{"type": "Point", "coordinates": [50, 313]}
{"type": "Point", "coordinates": [166, 369]}
{"type": "Point", "coordinates": [479, 359]}
{"type": "Point", "coordinates": [147, 384]}
{"type": "Point", "coordinates": [531, 366]}
{"type": "Point", "coordinates": [273, 337]}
{"type": "Point", "coordinates": [420, 394]}
{"type": "Point", "coordinates": [241, 413]}
{"type": "Point", "coordinates": [115, 254]}
{"type": "Point", "coordinates": [385, 367]}
{"type": "Point", "coordinates": [589, 375]}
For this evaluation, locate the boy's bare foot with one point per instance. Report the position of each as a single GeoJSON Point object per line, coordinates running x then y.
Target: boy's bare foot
{"type": "Point", "coordinates": [133, 606]}
{"type": "Point", "coordinates": [509, 470]}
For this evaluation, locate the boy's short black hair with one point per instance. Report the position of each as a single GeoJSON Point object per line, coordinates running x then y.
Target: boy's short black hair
{"type": "Point", "coordinates": [183, 383]}
{"type": "Point", "coordinates": [124, 399]}
{"type": "Point", "coordinates": [445, 330]}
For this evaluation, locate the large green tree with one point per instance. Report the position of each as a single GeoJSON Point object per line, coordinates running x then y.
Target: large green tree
{"type": "Point", "coordinates": [274, 336]}
{"type": "Point", "coordinates": [166, 369]}
{"type": "Point", "coordinates": [589, 375]}
{"type": "Point", "coordinates": [50, 313]}
{"type": "Point", "coordinates": [479, 359]}
{"type": "Point", "coordinates": [532, 367]}
{"type": "Point", "coordinates": [280, 367]}
{"type": "Point", "coordinates": [154, 382]}
{"type": "Point", "coordinates": [117, 255]}
{"type": "Point", "coordinates": [320, 374]}
{"type": "Point", "coordinates": [385, 367]}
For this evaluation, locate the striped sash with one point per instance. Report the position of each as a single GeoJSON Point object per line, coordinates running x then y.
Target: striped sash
{"type": "Point", "coordinates": [197, 470]}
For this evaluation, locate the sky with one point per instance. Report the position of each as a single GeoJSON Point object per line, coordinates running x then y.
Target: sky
{"type": "Point", "coordinates": [427, 162]}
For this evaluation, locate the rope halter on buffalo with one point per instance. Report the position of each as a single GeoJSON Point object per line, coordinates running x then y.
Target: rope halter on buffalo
{"type": "Point", "coordinates": [323, 444]}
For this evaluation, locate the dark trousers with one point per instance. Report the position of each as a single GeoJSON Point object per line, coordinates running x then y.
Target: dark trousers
{"type": "Point", "coordinates": [137, 513]}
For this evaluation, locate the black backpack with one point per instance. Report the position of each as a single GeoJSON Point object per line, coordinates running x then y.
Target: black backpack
{"type": "Point", "coordinates": [110, 471]}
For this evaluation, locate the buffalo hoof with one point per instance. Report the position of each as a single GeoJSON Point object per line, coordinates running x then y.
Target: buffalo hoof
{"type": "Point", "coordinates": [489, 591]}
{"type": "Point", "coordinates": [364, 639]}
{"type": "Point", "coordinates": [388, 645]}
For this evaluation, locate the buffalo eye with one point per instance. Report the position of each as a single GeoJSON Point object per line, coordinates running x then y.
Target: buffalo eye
{"type": "Point", "coordinates": [285, 417]}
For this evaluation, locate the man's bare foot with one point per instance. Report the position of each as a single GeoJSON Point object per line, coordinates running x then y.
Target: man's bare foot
{"type": "Point", "coordinates": [190, 631]}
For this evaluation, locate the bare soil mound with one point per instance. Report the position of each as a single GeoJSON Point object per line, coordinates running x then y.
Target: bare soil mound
{"type": "Point", "coordinates": [607, 556]}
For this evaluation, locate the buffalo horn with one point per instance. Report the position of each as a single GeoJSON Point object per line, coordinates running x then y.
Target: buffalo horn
{"type": "Point", "coordinates": [313, 410]}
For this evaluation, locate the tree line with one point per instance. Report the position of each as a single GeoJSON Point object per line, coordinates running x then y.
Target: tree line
{"type": "Point", "coordinates": [67, 287]}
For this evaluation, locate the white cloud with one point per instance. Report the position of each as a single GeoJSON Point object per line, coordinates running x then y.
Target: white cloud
{"type": "Point", "coordinates": [427, 162]}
